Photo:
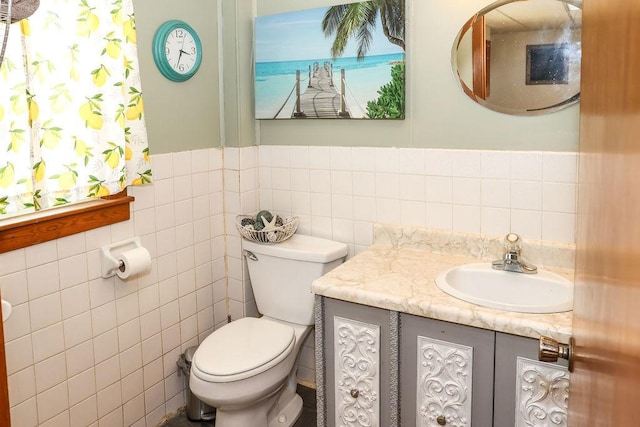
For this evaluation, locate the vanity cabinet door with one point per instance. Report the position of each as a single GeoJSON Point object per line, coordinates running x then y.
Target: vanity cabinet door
{"type": "Point", "coordinates": [446, 373]}
{"type": "Point", "coordinates": [357, 361]}
{"type": "Point", "coordinates": [528, 392]}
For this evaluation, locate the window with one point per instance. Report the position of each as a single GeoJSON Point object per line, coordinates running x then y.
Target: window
{"type": "Point", "coordinates": [71, 109]}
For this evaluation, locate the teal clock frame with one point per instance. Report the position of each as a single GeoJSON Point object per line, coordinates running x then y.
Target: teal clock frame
{"type": "Point", "coordinates": [159, 41]}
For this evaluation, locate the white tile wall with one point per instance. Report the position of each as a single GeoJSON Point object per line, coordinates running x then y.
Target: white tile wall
{"type": "Point", "coordinates": [339, 192]}
{"type": "Point", "coordinates": [82, 350]}
{"type": "Point", "coordinates": [493, 192]}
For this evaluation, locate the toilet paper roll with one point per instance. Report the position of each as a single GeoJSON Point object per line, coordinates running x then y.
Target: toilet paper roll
{"type": "Point", "coordinates": [133, 262]}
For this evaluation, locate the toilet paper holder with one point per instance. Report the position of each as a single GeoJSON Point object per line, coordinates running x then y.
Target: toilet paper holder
{"type": "Point", "coordinates": [110, 255]}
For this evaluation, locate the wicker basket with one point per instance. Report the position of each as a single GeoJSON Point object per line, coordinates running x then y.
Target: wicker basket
{"type": "Point", "coordinates": [275, 235]}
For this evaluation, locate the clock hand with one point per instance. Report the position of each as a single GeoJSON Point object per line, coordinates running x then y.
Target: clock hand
{"type": "Point", "coordinates": [181, 51]}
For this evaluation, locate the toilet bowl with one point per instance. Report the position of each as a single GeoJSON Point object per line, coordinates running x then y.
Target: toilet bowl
{"type": "Point", "coordinates": [247, 368]}
{"type": "Point", "coordinates": [249, 362]}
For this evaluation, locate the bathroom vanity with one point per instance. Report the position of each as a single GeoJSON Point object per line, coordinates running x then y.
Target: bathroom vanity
{"type": "Point", "coordinates": [392, 349]}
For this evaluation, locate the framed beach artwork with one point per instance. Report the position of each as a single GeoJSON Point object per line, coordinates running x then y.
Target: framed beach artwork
{"type": "Point", "coordinates": [343, 62]}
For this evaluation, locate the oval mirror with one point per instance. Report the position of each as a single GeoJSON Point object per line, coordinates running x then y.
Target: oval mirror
{"type": "Point", "coordinates": [521, 57]}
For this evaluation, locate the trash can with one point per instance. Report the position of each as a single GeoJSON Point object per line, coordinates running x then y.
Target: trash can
{"type": "Point", "coordinates": [196, 409]}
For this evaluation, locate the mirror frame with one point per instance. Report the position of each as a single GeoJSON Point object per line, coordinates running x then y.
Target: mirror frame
{"type": "Point", "coordinates": [474, 20]}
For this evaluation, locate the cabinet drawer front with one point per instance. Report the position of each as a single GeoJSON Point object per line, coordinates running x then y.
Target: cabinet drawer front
{"type": "Point", "coordinates": [446, 372]}
{"type": "Point", "coordinates": [443, 394]}
{"type": "Point", "coordinates": [528, 392]}
{"type": "Point", "coordinates": [357, 373]}
{"type": "Point", "coordinates": [542, 393]}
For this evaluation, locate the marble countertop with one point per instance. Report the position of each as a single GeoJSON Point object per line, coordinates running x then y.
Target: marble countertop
{"type": "Point", "coordinates": [402, 279]}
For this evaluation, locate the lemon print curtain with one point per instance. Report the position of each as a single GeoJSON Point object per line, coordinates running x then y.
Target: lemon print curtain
{"type": "Point", "coordinates": [71, 110]}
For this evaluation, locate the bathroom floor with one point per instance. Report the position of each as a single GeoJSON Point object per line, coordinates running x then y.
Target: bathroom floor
{"type": "Point", "coordinates": [307, 418]}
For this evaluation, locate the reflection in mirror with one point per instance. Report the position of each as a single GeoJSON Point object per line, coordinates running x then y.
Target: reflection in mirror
{"type": "Point", "coordinates": [521, 57]}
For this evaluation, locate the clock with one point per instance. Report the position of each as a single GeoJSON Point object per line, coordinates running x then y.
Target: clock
{"type": "Point", "coordinates": [177, 50]}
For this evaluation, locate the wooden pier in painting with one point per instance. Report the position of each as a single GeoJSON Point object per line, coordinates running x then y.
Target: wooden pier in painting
{"type": "Point", "coordinates": [321, 99]}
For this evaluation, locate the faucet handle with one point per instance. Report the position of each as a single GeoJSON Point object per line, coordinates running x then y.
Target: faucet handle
{"type": "Point", "coordinates": [512, 242]}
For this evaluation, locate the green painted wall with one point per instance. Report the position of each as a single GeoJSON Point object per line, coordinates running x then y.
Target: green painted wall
{"type": "Point", "coordinates": [438, 114]}
{"type": "Point", "coordinates": [239, 123]}
{"type": "Point", "coordinates": [215, 108]}
{"type": "Point", "coordinates": [180, 116]}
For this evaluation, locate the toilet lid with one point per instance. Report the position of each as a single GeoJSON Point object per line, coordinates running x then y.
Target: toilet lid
{"type": "Point", "coordinates": [234, 351]}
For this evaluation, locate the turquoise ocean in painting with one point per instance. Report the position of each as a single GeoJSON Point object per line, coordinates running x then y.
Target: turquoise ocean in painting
{"type": "Point", "coordinates": [276, 80]}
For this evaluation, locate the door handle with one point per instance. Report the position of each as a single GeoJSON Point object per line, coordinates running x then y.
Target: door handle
{"type": "Point", "coordinates": [551, 350]}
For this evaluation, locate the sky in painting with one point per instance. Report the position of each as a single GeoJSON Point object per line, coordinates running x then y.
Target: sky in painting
{"type": "Point", "coordinates": [298, 36]}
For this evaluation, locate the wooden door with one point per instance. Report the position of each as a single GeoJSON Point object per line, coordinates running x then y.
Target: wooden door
{"type": "Point", "coordinates": [605, 386]}
{"type": "Point", "coordinates": [4, 390]}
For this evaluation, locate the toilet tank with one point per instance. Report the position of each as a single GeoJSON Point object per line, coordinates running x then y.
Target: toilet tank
{"type": "Point", "coordinates": [281, 274]}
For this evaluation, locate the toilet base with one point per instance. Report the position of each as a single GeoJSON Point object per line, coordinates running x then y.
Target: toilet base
{"type": "Point", "coordinates": [258, 415]}
{"type": "Point", "coordinates": [289, 414]}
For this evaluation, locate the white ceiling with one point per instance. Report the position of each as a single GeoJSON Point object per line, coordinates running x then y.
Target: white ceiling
{"type": "Point", "coordinates": [533, 15]}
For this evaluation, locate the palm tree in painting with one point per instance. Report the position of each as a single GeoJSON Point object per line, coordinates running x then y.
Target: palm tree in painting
{"type": "Point", "coordinates": [359, 19]}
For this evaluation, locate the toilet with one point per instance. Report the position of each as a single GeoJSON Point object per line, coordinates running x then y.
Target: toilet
{"type": "Point", "coordinates": [247, 368]}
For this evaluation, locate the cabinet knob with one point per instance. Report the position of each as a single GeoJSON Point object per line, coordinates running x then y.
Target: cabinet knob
{"type": "Point", "coordinates": [355, 393]}
{"type": "Point", "coordinates": [551, 350]}
{"type": "Point", "coordinates": [441, 420]}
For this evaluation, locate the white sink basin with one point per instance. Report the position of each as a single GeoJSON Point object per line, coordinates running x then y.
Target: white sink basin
{"type": "Point", "coordinates": [543, 292]}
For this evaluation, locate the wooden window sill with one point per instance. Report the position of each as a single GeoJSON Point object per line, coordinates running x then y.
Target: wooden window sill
{"type": "Point", "coordinates": [27, 230]}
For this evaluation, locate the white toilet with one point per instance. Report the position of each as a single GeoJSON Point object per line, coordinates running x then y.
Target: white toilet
{"type": "Point", "coordinates": [247, 368]}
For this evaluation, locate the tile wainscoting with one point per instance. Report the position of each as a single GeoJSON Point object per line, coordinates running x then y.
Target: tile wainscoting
{"type": "Point", "coordinates": [82, 350]}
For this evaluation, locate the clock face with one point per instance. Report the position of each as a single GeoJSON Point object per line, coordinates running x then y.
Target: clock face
{"type": "Point", "coordinates": [181, 50]}
{"type": "Point", "coordinates": [177, 50]}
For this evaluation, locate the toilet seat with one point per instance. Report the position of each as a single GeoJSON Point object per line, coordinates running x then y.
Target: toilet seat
{"type": "Point", "coordinates": [242, 349]}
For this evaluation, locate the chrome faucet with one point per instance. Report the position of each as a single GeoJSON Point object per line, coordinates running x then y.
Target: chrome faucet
{"type": "Point", "coordinates": [511, 260]}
